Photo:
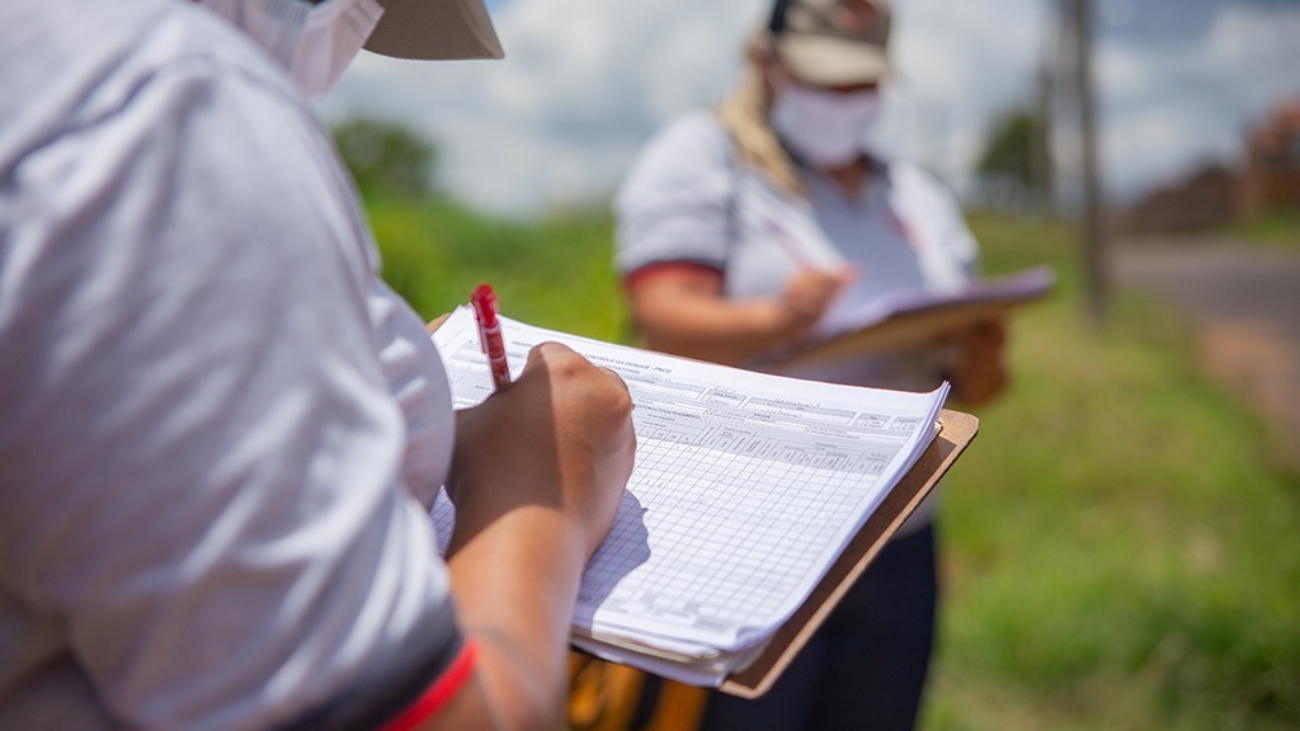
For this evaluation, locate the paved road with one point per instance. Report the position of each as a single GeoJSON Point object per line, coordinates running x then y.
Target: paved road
{"type": "Point", "coordinates": [1246, 304]}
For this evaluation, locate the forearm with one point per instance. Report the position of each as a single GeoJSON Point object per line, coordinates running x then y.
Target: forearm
{"type": "Point", "coordinates": [685, 311]}
{"type": "Point", "coordinates": [537, 476]}
{"type": "Point", "coordinates": [515, 581]}
{"type": "Point", "coordinates": [711, 328]}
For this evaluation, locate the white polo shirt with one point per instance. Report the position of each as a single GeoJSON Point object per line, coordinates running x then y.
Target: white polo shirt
{"type": "Point", "coordinates": [687, 200]}
{"type": "Point", "coordinates": [215, 419]}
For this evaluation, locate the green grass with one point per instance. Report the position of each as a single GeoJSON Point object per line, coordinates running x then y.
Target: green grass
{"type": "Point", "coordinates": [1118, 551]}
{"type": "Point", "coordinates": [555, 273]}
{"type": "Point", "coordinates": [1276, 230]}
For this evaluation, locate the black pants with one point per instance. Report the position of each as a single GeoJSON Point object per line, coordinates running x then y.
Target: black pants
{"type": "Point", "coordinates": [865, 667]}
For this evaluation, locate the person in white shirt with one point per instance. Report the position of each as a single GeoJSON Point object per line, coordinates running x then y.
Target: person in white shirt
{"type": "Point", "coordinates": [220, 431]}
{"type": "Point", "coordinates": [742, 233]}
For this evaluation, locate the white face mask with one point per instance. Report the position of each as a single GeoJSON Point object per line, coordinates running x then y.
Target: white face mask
{"type": "Point", "coordinates": [822, 127]}
{"type": "Point", "coordinates": [314, 42]}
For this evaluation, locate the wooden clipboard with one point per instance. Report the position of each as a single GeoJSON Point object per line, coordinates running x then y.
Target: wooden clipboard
{"type": "Point", "coordinates": [924, 324]}
{"type": "Point", "coordinates": [956, 432]}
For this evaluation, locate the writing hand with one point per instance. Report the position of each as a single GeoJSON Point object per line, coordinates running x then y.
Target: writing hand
{"type": "Point", "coordinates": [807, 295]}
{"type": "Point", "coordinates": [559, 438]}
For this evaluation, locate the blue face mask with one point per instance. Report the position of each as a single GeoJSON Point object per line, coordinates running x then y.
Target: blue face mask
{"type": "Point", "coordinates": [315, 43]}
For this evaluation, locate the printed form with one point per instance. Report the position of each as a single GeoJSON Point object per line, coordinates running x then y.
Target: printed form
{"type": "Point", "coordinates": [746, 488]}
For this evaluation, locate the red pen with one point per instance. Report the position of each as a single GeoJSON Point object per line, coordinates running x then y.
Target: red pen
{"type": "Point", "coordinates": [484, 301]}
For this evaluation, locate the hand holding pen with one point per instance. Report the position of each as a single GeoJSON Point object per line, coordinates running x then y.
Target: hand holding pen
{"type": "Point", "coordinates": [808, 294]}
{"type": "Point", "coordinates": [560, 436]}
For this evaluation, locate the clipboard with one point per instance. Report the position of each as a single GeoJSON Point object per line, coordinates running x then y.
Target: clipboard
{"type": "Point", "coordinates": [957, 430]}
{"type": "Point", "coordinates": [918, 324]}
{"type": "Point", "coordinates": [754, 668]}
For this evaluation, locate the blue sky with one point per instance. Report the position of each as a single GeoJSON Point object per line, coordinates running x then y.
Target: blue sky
{"type": "Point", "coordinates": [584, 82]}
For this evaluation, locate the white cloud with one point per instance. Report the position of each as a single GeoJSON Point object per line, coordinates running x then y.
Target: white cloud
{"type": "Point", "coordinates": [586, 81]}
{"type": "Point", "coordinates": [961, 65]}
{"type": "Point", "coordinates": [583, 84]}
{"type": "Point", "coordinates": [1170, 108]}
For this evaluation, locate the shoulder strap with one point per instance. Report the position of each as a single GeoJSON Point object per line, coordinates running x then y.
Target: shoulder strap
{"type": "Point", "coordinates": [733, 193]}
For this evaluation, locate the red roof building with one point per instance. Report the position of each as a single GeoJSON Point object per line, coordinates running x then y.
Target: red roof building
{"type": "Point", "coordinates": [1271, 177]}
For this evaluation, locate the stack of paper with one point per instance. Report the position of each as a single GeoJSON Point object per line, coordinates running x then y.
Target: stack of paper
{"type": "Point", "coordinates": [1004, 292]}
{"type": "Point", "coordinates": [746, 488]}
{"type": "Point", "coordinates": [912, 318]}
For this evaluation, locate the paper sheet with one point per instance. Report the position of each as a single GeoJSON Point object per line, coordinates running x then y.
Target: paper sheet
{"type": "Point", "coordinates": [1014, 288]}
{"type": "Point", "coordinates": [746, 488]}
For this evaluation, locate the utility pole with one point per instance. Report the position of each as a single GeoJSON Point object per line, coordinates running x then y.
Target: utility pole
{"type": "Point", "coordinates": [1094, 248]}
{"type": "Point", "coordinates": [1043, 160]}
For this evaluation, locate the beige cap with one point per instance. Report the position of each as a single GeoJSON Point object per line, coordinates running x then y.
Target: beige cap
{"type": "Point", "coordinates": [833, 42]}
{"type": "Point", "coordinates": [435, 30]}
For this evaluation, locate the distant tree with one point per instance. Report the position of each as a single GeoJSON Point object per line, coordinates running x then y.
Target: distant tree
{"type": "Point", "coordinates": [1013, 168]}
{"type": "Point", "coordinates": [386, 156]}
{"type": "Point", "coordinates": [1009, 150]}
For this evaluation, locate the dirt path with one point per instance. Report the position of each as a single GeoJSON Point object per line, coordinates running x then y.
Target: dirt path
{"type": "Point", "coordinates": [1246, 304]}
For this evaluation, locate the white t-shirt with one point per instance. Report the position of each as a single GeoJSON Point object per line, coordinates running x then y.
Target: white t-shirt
{"type": "Point", "coordinates": [687, 199]}
{"type": "Point", "coordinates": [217, 425]}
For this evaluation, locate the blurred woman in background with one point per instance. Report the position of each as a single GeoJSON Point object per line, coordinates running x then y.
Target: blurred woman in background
{"type": "Point", "coordinates": [745, 232]}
